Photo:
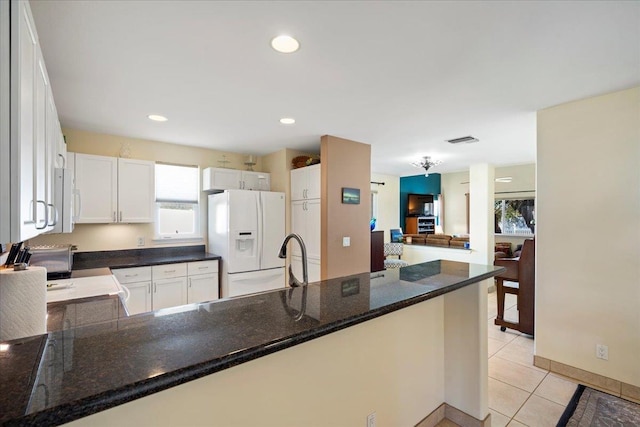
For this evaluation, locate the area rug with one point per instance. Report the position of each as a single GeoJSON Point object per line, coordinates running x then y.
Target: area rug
{"type": "Point", "coordinates": [590, 407]}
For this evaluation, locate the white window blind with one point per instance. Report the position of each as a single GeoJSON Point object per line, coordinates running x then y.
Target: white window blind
{"type": "Point", "coordinates": [177, 184]}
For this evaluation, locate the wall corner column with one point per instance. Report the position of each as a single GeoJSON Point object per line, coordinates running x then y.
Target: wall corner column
{"type": "Point", "coordinates": [481, 210]}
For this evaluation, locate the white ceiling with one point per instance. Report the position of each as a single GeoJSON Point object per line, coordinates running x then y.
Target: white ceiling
{"type": "Point", "coordinates": [401, 76]}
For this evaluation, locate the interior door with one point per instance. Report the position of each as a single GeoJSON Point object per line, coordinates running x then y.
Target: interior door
{"type": "Point", "coordinates": [272, 233]}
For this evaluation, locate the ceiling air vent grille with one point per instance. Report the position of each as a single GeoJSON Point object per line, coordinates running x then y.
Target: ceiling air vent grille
{"type": "Point", "coordinates": [467, 139]}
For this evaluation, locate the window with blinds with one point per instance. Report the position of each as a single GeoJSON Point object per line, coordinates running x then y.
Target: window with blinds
{"type": "Point", "coordinates": [177, 201]}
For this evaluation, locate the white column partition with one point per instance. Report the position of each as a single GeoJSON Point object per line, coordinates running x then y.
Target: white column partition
{"type": "Point", "coordinates": [481, 226]}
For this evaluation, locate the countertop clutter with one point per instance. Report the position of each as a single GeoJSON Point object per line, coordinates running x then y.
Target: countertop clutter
{"type": "Point", "coordinates": [99, 366]}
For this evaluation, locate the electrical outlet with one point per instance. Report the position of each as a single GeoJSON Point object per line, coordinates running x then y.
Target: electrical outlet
{"type": "Point", "coordinates": [141, 241]}
{"type": "Point", "coordinates": [346, 241]}
{"type": "Point", "coordinates": [602, 351]}
{"type": "Point", "coordinates": [371, 420]}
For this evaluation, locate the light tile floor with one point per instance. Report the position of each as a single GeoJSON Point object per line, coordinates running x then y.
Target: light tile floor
{"type": "Point", "coordinates": [520, 394]}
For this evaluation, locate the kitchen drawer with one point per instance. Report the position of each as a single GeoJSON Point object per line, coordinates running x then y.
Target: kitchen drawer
{"type": "Point", "coordinates": [202, 267]}
{"type": "Point", "coordinates": [167, 271]}
{"type": "Point", "coordinates": [132, 275]}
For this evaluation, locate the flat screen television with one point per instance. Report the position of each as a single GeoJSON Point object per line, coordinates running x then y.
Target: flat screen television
{"type": "Point", "coordinates": [420, 205]}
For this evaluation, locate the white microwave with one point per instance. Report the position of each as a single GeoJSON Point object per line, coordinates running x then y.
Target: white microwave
{"type": "Point", "coordinates": [66, 200]}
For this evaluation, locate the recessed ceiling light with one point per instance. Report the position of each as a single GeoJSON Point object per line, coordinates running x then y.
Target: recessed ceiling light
{"type": "Point", "coordinates": [504, 179]}
{"type": "Point", "coordinates": [285, 44]}
{"type": "Point", "coordinates": [157, 118]}
{"type": "Point", "coordinates": [287, 120]}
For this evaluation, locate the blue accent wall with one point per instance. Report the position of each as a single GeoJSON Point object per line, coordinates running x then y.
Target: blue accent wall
{"type": "Point", "coordinates": [417, 184]}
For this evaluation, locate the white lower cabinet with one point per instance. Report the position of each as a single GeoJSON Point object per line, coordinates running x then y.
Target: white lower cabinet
{"type": "Point", "coordinates": [202, 288]}
{"type": "Point", "coordinates": [138, 281]}
{"type": "Point", "coordinates": [168, 285]}
{"type": "Point", "coordinates": [169, 292]}
{"type": "Point", "coordinates": [202, 281]}
{"type": "Point", "coordinates": [139, 298]}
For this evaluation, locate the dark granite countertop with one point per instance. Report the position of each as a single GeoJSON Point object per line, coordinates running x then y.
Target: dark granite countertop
{"type": "Point", "coordinates": [140, 257]}
{"type": "Point", "coordinates": [62, 315]}
{"type": "Point", "coordinates": [96, 367]}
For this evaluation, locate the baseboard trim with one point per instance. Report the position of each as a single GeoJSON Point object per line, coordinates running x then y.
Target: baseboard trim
{"type": "Point", "coordinates": [593, 380]}
{"type": "Point", "coordinates": [463, 419]}
{"type": "Point", "coordinates": [455, 415]}
{"type": "Point", "coordinates": [433, 418]}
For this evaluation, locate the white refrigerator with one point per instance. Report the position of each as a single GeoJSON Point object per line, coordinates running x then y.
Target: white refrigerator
{"type": "Point", "coordinates": [247, 228]}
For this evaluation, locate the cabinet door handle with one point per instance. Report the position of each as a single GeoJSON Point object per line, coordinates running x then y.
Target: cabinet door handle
{"type": "Point", "coordinates": [203, 268]}
{"type": "Point", "coordinates": [78, 206]}
{"type": "Point", "coordinates": [55, 215]}
{"type": "Point", "coordinates": [189, 281]}
{"type": "Point", "coordinates": [120, 216]}
{"type": "Point", "coordinates": [46, 215]}
{"type": "Point", "coordinates": [149, 288]}
{"type": "Point", "coordinates": [114, 216]}
{"type": "Point", "coordinates": [131, 275]}
{"type": "Point", "coordinates": [155, 288]}
{"type": "Point", "coordinates": [169, 271]}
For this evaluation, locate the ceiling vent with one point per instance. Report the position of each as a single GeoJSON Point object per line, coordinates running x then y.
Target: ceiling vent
{"type": "Point", "coordinates": [467, 139]}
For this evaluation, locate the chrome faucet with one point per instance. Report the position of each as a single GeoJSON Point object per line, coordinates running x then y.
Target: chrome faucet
{"type": "Point", "coordinates": [293, 281]}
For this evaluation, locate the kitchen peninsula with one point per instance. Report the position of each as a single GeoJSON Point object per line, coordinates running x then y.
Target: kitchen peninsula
{"type": "Point", "coordinates": [400, 344]}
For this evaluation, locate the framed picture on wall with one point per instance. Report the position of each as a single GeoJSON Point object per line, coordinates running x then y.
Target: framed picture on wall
{"type": "Point", "coordinates": [351, 196]}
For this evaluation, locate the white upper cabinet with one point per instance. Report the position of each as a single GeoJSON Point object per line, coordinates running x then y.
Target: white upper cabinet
{"type": "Point", "coordinates": [5, 120]}
{"type": "Point", "coordinates": [135, 190]}
{"type": "Point", "coordinates": [96, 179]}
{"type": "Point", "coordinates": [29, 119]}
{"type": "Point", "coordinates": [113, 189]}
{"type": "Point", "coordinates": [260, 181]}
{"type": "Point", "coordinates": [305, 183]}
{"type": "Point", "coordinates": [220, 179]}
{"type": "Point", "coordinates": [24, 50]}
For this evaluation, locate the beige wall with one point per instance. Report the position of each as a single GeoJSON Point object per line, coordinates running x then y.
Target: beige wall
{"type": "Point", "coordinates": [96, 237]}
{"type": "Point", "coordinates": [589, 293]}
{"type": "Point", "coordinates": [401, 366]}
{"type": "Point", "coordinates": [392, 365]}
{"type": "Point", "coordinates": [388, 202]}
{"type": "Point", "coordinates": [345, 164]}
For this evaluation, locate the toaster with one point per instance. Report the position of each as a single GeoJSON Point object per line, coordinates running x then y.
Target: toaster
{"type": "Point", "coordinates": [57, 259]}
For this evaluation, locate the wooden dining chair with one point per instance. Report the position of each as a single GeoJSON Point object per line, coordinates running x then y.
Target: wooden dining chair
{"type": "Point", "coordinates": [522, 271]}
